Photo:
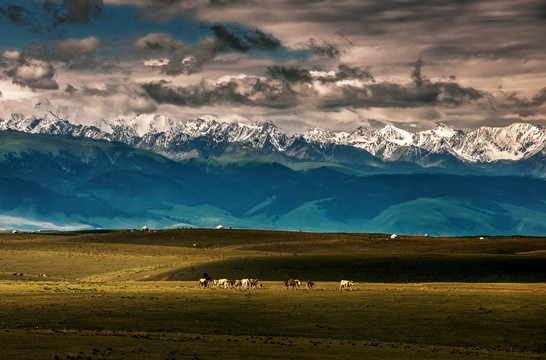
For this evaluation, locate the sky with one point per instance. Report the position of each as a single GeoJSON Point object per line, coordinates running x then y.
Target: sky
{"type": "Point", "coordinates": [334, 64]}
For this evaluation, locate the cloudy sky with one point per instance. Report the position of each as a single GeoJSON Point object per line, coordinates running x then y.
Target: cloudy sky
{"type": "Point", "coordinates": [336, 64]}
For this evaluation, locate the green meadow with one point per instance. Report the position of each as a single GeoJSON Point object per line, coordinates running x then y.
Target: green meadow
{"type": "Point", "coordinates": [134, 295]}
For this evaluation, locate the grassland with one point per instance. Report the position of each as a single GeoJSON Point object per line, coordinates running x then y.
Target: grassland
{"type": "Point", "coordinates": [133, 295]}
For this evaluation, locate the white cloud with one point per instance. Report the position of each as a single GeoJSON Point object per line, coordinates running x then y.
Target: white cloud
{"type": "Point", "coordinates": [34, 71]}
{"type": "Point", "coordinates": [12, 55]}
{"type": "Point", "coordinates": [72, 49]}
{"type": "Point", "coordinates": [36, 74]}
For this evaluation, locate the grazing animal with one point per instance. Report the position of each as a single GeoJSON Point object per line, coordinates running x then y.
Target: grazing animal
{"type": "Point", "coordinates": [292, 284]}
{"type": "Point", "coordinates": [347, 284]}
{"type": "Point", "coordinates": [203, 283]}
{"type": "Point", "coordinates": [253, 283]}
{"type": "Point", "coordinates": [229, 284]}
{"type": "Point", "coordinates": [238, 284]}
{"type": "Point", "coordinates": [309, 284]}
{"type": "Point", "coordinates": [43, 275]}
{"type": "Point", "coordinates": [222, 282]}
{"type": "Point", "coordinates": [245, 283]}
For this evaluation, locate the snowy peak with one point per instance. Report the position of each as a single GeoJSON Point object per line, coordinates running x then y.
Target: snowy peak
{"type": "Point", "coordinates": [441, 132]}
{"type": "Point", "coordinates": [208, 137]}
{"type": "Point", "coordinates": [319, 135]}
{"type": "Point", "coordinates": [360, 132]}
{"type": "Point", "coordinates": [514, 142]}
{"type": "Point", "coordinates": [147, 123]}
{"type": "Point", "coordinates": [441, 138]}
{"type": "Point", "coordinates": [392, 134]}
{"type": "Point", "coordinates": [444, 131]}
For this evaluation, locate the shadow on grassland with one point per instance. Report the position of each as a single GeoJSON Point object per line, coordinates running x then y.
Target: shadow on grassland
{"type": "Point", "coordinates": [374, 268]}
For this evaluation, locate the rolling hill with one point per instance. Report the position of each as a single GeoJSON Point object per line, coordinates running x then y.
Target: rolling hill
{"type": "Point", "coordinates": [60, 182]}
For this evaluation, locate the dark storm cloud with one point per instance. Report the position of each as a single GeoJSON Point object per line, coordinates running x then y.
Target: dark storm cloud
{"type": "Point", "coordinates": [17, 15]}
{"type": "Point", "coordinates": [388, 94]}
{"type": "Point", "coordinates": [33, 67]}
{"type": "Point", "coordinates": [34, 73]}
{"type": "Point", "coordinates": [41, 18]}
{"type": "Point", "coordinates": [540, 97]}
{"type": "Point", "coordinates": [323, 48]}
{"type": "Point", "coordinates": [421, 92]}
{"type": "Point", "coordinates": [346, 72]}
{"type": "Point", "coordinates": [289, 74]}
{"type": "Point", "coordinates": [38, 50]}
{"type": "Point", "coordinates": [286, 87]}
{"type": "Point", "coordinates": [523, 106]}
{"type": "Point", "coordinates": [376, 123]}
{"type": "Point", "coordinates": [243, 39]}
{"type": "Point", "coordinates": [222, 3]}
{"type": "Point", "coordinates": [468, 50]}
{"type": "Point", "coordinates": [77, 54]}
{"type": "Point", "coordinates": [81, 11]}
{"type": "Point", "coordinates": [440, 28]}
{"type": "Point", "coordinates": [70, 89]}
{"type": "Point", "coordinates": [181, 58]}
{"type": "Point", "coordinates": [248, 91]}
{"type": "Point", "coordinates": [486, 44]}
{"type": "Point", "coordinates": [416, 75]}
{"type": "Point", "coordinates": [542, 11]}
{"type": "Point", "coordinates": [296, 74]}
{"type": "Point", "coordinates": [45, 15]}
{"type": "Point", "coordinates": [167, 8]}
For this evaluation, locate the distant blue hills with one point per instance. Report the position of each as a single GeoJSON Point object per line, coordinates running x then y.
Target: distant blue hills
{"type": "Point", "coordinates": [59, 182]}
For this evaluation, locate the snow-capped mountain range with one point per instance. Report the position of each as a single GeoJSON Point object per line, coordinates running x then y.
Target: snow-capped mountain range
{"type": "Point", "coordinates": [486, 144]}
{"type": "Point", "coordinates": [56, 172]}
{"type": "Point", "coordinates": [210, 138]}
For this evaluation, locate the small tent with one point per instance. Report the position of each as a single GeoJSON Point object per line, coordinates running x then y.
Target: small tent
{"type": "Point", "coordinates": [394, 236]}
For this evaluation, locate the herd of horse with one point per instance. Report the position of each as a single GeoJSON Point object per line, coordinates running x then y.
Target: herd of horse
{"type": "Point", "coordinates": [292, 284]}
{"type": "Point", "coordinates": [229, 284]}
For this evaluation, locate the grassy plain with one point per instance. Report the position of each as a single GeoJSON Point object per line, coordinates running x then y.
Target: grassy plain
{"type": "Point", "coordinates": [133, 295]}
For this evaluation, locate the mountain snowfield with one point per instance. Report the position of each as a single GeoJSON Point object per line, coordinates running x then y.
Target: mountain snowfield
{"type": "Point", "coordinates": [486, 144]}
{"type": "Point", "coordinates": [173, 137]}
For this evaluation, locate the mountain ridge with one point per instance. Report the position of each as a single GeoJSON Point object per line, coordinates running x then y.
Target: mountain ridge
{"type": "Point", "coordinates": [52, 181]}
{"type": "Point", "coordinates": [485, 149]}
{"type": "Point", "coordinates": [530, 138]}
